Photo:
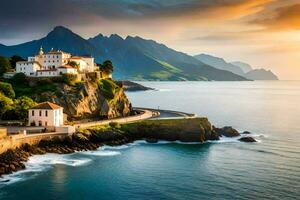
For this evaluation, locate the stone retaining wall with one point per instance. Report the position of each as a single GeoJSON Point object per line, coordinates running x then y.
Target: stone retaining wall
{"type": "Point", "coordinates": [15, 141]}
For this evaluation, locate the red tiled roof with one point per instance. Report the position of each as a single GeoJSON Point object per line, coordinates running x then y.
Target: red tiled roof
{"type": "Point", "coordinates": [76, 57]}
{"type": "Point", "coordinates": [47, 106]}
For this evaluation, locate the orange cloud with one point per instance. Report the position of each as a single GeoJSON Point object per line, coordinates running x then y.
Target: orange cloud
{"type": "Point", "coordinates": [283, 18]}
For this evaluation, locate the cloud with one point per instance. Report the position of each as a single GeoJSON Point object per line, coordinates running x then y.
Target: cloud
{"type": "Point", "coordinates": [282, 18]}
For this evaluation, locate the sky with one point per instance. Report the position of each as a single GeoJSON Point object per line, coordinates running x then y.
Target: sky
{"type": "Point", "coordinates": [263, 33]}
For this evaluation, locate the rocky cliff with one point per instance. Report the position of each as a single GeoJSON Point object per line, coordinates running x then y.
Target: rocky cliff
{"type": "Point", "coordinates": [90, 99]}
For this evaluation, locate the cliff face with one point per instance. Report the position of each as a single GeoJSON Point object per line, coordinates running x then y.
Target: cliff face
{"type": "Point", "coordinates": [87, 99]}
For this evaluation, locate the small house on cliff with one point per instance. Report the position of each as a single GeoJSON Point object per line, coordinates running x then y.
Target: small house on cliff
{"type": "Point", "coordinates": [46, 114]}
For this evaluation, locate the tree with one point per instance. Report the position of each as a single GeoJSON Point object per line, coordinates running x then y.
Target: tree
{"type": "Point", "coordinates": [69, 79]}
{"type": "Point", "coordinates": [7, 90]}
{"type": "Point", "coordinates": [22, 105]}
{"type": "Point", "coordinates": [4, 65]}
{"type": "Point", "coordinates": [14, 59]}
{"type": "Point", "coordinates": [107, 66]}
{"type": "Point", "coordinates": [73, 64]}
{"type": "Point", "coordinates": [5, 104]}
{"type": "Point", "coordinates": [19, 78]}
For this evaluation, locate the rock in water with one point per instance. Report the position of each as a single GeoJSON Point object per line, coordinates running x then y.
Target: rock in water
{"type": "Point", "coordinates": [227, 131]}
{"type": "Point", "coordinates": [246, 132]}
{"type": "Point", "coordinates": [247, 139]}
{"type": "Point", "coordinates": [151, 140]}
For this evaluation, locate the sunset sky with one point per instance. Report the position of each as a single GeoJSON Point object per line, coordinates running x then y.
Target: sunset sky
{"type": "Point", "coordinates": [263, 33]}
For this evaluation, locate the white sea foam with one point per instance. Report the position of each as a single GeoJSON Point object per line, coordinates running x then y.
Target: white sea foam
{"type": "Point", "coordinates": [39, 163]}
{"type": "Point", "coordinates": [101, 153]}
{"type": "Point", "coordinates": [164, 90]}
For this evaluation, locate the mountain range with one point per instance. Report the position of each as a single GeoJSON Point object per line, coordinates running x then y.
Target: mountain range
{"type": "Point", "coordinates": [240, 68]}
{"type": "Point", "coordinates": [134, 58]}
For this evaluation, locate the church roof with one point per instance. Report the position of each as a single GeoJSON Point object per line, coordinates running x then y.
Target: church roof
{"type": "Point", "coordinates": [47, 106]}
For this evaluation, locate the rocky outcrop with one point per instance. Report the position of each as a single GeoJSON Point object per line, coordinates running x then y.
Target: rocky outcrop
{"type": "Point", "coordinates": [87, 99]}
{"type": "Point", "coordinates": [227, 131]}
{"type": "Point", "coordinates": [133, 87]}
{"type": "Point", "coordinates": [184, 130]}
{"type": "Point", "coordinates": [247, 139]}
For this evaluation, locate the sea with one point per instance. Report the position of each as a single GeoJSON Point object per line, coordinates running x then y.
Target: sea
{"type": "Point", "coordinates": [225, 169]}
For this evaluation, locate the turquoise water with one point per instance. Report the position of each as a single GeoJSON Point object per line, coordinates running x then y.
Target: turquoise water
{"type": "Point", "coordinates": [228, 169]}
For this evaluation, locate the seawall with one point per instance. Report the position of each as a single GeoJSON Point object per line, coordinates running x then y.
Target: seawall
{"type": "Point", "coordinates": [15, 141]}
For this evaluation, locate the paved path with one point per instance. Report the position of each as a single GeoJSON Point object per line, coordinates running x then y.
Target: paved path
{"type": "Point", "coordinates": [168, 114]}
{"type": "Point", "coordinates": [145, 114]}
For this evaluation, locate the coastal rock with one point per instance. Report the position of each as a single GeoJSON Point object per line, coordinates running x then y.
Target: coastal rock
{"type": "Point", "coordinates": [246, 133]}
{"type": "Point", "coordinates": [184, 130]}
{"type": "Point", "coordinates": [151, 140]}
{"type": "Point", "coordinates": [90, 100]}
{"type": "Point", "coordinates": [227, 131]}
{"type": "Point", "coordinates": [133, 87]}
{"type": "Point", "coordinates": [247, 139]}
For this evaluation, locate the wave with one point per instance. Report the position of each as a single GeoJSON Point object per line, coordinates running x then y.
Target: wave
{"type": "Point", "coordinates": [101, 153]}
{"type": "Point", "coordinates": [40, 163]}
{"type": "Point", "coordinates": [165, 90]}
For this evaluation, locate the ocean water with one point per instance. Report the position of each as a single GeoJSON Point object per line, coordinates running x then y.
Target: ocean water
{"type": "Point", "coordinates": [226, 169]}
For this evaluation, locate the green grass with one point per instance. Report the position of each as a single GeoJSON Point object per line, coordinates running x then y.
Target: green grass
{"type": "Point", "coordinates": [161, 75]}
{"type": "Point", "coordinates": [169, 67]}
{"type": "Point", "coordinates": [108, 87]}
{"type": "Point", "coordinates": [30, 91]}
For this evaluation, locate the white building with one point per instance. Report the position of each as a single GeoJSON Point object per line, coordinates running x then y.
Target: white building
{"type": "Point", "coordinates": [46, 114]}
{"type": "Point", "coordinates": [54, 63]}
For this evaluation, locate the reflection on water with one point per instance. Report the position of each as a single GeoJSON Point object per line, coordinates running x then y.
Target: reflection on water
{"type": "Point", "coordinates": [226, 169]}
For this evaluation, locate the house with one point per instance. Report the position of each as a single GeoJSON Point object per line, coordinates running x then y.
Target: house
{"type": "Point", "coordinates": [55, 63]}
{"type": "Point", "coordinates": [46, 114]}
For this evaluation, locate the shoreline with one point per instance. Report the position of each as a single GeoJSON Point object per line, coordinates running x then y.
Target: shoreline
{"type": "Point", "coordinates": [191, 130]}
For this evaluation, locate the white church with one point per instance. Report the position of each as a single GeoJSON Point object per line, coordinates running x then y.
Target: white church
{"type": "Point", "coordinates": [55, 63]}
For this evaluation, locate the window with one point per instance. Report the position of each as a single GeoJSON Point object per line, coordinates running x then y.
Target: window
{"type": "Point", "coordinates": [40, 113]}
{"type": "Point", "coordinates": [46, 113]}
{"type": "Point", "coordinates": [32, 112]}
{"type": "Point", "coordinates": [46, 123]}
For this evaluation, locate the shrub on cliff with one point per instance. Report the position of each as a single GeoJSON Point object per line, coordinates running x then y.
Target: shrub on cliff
{"type": "Point", "coordinates": [14, 59]}
{"type": "Point", "coordinates": [107, 67]}
{"type": "Point", "coordinates": [108, 88]}
{"type": "Point", "coordinates": [7, 90]}
{"type": "Point", "coordinates": [69, 79]}
{"type": "Point", "coordinates": [4, 65]}
{"type": "Point", "coordinates": [19, 78]}
{"type": "Point", "coordinates": [5, 104]}
{"type": "Point", "coordinates": [22, 105]}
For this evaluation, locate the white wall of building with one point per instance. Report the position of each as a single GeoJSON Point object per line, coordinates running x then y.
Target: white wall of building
{"type": "Point", "coordinates": [28, 68]}
{"type": "Point", "coordinates": [53, 60]}
{"type": "Point", "coordinates": [63, 70]}
{"type": "Point", "coordinates": [45, 117]}
{"type": "Point", "coordinates": [47, 73]}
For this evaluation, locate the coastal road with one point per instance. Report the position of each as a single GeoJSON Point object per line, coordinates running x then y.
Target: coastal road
{"type": "Point", "coordinates": [167, 114]}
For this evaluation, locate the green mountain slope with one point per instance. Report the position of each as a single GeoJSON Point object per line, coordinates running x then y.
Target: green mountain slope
{"type": "Point", "coordinates": [134, 58]}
